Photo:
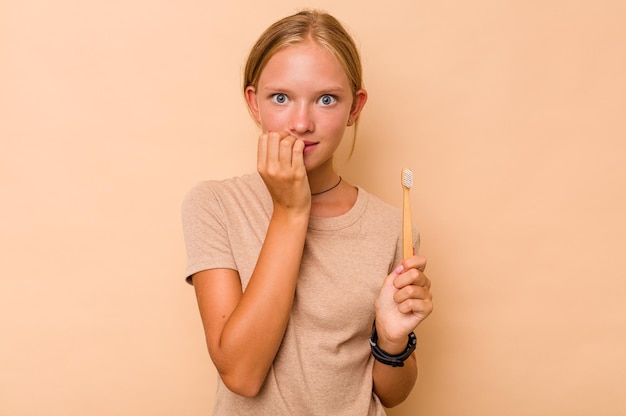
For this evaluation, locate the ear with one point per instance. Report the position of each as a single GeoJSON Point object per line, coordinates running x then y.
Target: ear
{"type": "Point", "coordinates": [253, 105]}
{"type": "Point", "coordinates": [360, 98]}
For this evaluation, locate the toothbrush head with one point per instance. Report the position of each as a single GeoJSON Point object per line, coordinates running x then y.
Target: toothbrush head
{"type": "Point", "coordinates": [407, 178]}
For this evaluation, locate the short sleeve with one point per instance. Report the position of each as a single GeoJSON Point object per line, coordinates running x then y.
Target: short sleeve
{"type": "Point", "coordinates": [205, 231]}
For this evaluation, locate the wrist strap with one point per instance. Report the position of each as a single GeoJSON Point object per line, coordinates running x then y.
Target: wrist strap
{"type": "Point", "coordinates": [389, 359]}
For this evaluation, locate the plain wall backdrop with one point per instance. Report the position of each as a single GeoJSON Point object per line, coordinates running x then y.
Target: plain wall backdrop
{"type": "Point", "coordinates": [510, 113]}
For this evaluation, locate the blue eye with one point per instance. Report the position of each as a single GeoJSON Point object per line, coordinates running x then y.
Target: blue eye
{"type": "Point", "coordinates": [279, 98]}
{"type": "Point", "coordinates": [327, 99]}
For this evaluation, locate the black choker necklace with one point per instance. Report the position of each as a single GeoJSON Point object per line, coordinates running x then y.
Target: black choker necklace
{"type": "Point", "coordinates": [329, 189]}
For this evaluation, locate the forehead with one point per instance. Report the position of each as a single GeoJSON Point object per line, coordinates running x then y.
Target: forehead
{"type": "Point", "coordinates": [306, 63]}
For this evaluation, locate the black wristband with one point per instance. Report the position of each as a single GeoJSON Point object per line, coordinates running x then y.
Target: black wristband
{"type": "Point", "coordinates": [389, 359]}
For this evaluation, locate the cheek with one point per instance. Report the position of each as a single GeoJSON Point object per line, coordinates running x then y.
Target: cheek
{"type": "Point", "coordinates": [272, 121]}
{"type": "Point", "coordinates": [336, 124]}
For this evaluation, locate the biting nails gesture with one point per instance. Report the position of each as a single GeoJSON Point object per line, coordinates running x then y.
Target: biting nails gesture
{"type": "Point", "coordinates": [280, 163]}
{"type": "Point", "coordinates": [403, 302]}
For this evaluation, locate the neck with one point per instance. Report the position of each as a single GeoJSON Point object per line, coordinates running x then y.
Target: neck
{"type": "Point", "coordinates": [327, 188]}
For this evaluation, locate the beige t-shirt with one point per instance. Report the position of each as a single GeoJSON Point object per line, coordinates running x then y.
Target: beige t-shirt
{"type": "Point", "coordinates": [324, 365]}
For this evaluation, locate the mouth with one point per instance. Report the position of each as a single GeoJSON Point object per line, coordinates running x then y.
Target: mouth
{"type": "Point", "coordinates": [308, 146]}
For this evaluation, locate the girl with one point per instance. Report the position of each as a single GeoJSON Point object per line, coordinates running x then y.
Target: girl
{"type": "Point", "coordinates": [307, 306]}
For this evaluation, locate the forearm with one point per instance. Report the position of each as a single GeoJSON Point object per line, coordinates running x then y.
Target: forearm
{"type": "Point", "coordinates": [392, 385]}
{"type": "Point", "coordinates": [403, 302]}
{"type": "Point", "coordinates": [253, 333]}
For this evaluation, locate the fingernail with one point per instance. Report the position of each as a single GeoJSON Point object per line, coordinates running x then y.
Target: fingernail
{"type": "Point", "coordinates": [399, 269]}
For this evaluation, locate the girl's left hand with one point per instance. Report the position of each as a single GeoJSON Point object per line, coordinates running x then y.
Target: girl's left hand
{"type": "Point", "coordinates": [402, 303]}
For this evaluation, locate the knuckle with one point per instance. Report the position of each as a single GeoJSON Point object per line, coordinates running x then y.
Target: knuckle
{"type": "Point", "coordinates": [287, 142]}
{"type": "Point", "coordinates": [412, 291]}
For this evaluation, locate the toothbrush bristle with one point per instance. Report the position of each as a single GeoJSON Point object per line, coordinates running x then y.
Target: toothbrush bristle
{"type": "Point", "coordinates": [407, 178]}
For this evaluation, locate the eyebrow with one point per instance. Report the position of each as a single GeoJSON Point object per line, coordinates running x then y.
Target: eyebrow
{"type": "Point", "coordinates": [330, 90]}
{"type": "Point", "coordinates": [335, 89]}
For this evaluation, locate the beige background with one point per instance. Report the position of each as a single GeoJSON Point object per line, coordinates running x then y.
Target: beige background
{"type": "Point", "coordinates": [511, 114]}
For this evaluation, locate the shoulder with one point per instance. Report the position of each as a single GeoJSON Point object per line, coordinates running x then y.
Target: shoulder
{"type": "Point", "coordinates": [376, 206]}
{"type": "Point", "coordinates": [208, 191]}
{"type": "Point", "coordinates": [381, 218]}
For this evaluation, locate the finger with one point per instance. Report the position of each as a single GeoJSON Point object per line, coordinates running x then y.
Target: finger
{"type": "Point", "coordinates": [417, 306]}
{"type": "Point", "coordinates": [411, 277]}
{"type": "Point", "coordinates": [391, 277]}
{"type": "Point", "coordinates": [297, 158]}
{"type": "Point", "coordinates": [412, 292]}
{"type": "Point", "coordinates": [286, 151]}
{"type": "Point", "coordinates": [422, 280]}
{"type": "Point", "coordinates": [415, 262]}
{"type": "Point", "coordinates": [262, 153]}
{"type": "Point", "coordinates": [267, 152]}
{"type": "Point", "coordinates": [273, 148]}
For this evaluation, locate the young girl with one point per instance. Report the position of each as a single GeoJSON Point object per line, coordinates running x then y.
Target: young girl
{"type": "Point", "coordinates": [307, 306]}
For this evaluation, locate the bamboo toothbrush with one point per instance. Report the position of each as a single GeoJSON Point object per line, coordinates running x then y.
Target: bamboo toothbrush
{"type": "Point", "coordinates": [407, 225]}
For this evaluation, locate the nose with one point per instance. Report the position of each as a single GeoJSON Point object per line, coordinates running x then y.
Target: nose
{"type": "Point", "coordinates": [301, 119]}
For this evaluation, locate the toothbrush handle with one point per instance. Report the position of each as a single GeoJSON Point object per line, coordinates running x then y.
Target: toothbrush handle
{"type": "Point", "coordinates": [407, 225]}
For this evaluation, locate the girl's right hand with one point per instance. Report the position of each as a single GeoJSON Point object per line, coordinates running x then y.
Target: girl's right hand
{"type": "Point", "coordinates": [280, 163]}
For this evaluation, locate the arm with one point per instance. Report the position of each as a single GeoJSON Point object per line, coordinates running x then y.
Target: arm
{"type": "Point", "coordinates": [244, 329]}
{"type": "Point", "coordinates": [403, 302]}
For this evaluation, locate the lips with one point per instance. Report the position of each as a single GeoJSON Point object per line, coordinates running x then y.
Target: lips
{"type": "Point", "coordinates": [308, 146]}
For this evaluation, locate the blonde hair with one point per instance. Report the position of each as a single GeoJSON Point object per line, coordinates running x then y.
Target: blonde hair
{"type": "Point", "coordinates": [314, 25]}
